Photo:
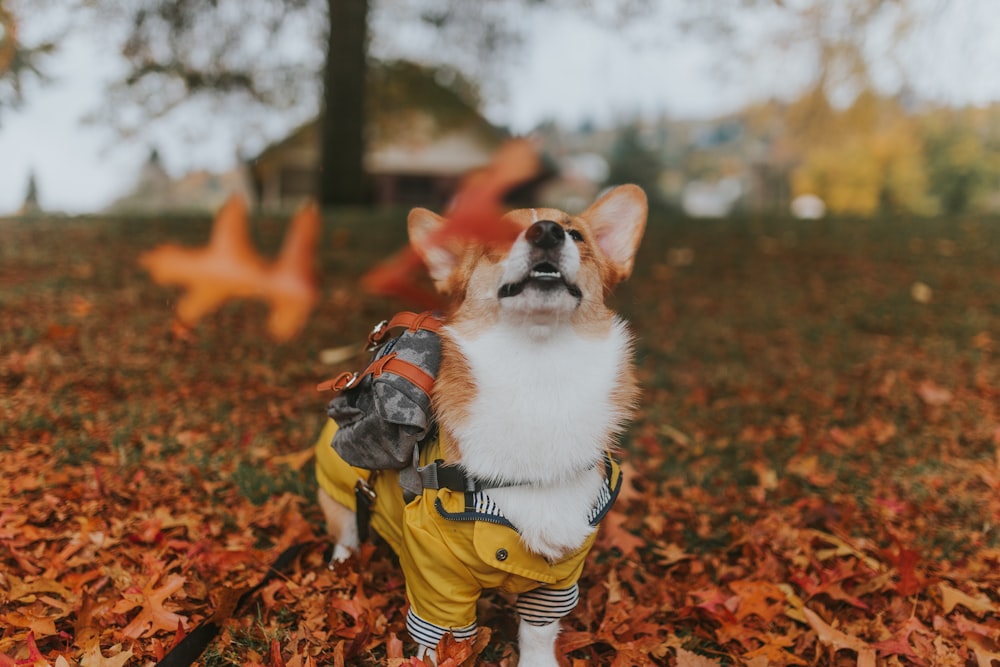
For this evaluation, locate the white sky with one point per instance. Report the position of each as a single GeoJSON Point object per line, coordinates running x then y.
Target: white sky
{"type": "Point", "coordinates": [569, 69]}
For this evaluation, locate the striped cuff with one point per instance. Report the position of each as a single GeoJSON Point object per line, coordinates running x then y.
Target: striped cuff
{"type": "Point", "coordinates": [546, 605]}
{"type": "Point", "coordinates": [427, 634]}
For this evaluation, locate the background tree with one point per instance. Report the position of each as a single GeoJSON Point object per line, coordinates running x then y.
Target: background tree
{"type": "Point", "coordinates": [18, 61]}
{"type": "Point", "coordinates": [247, 56]}
{"type": "Point", "coordinates": [963, 157]}
{"type": "Point", "coordinates": [870, 158]}
{"type": "Point", "coordinates": [243, 59]}
{"type": "Point", "coordinates": [633, 161]}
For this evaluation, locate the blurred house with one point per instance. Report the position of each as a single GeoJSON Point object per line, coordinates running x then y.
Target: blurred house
{"type": "Point", "coordinates": [424, 133]}
{"type": "Point", "coordinates": [156, 192]}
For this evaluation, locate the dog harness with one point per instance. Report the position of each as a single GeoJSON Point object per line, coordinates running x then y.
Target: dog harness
{"type": "Point", "coordinates": [454, 543]}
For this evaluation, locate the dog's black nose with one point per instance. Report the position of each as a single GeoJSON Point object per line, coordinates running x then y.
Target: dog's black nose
{"type": "Point", "coordinates": [545, 234]}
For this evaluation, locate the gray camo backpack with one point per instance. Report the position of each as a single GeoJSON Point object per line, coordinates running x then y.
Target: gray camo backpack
{"type": "Point", "coordinates": [384, 411]}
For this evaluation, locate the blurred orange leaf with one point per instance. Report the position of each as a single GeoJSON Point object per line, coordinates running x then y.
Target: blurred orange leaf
{"type": "Point", "coordinates": [230, 268]}
{"type": "Point", "coordinates": [475, 215]}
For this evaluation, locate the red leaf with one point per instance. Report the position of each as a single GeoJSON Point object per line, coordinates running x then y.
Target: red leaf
{"type": "Point", "coordinates": [475, 215]}
{"type": "Point", "coordinates": [905, 561]}
{"type": "Point", "coordinates": [34, 655]}
{"type": "Point", "coordinates": [275, 656]}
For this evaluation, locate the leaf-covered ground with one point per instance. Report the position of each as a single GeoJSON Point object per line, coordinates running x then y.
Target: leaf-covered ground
{"type": "Point", "coordinates": [815, 473]}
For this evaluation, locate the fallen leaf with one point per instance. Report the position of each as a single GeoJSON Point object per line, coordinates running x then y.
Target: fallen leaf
{"type": "Point", "coordinates": [921, 292]}
{"type": "Point", "coordinates": [933, 394]}
{"type": "Point", "coordinates": [95, 658]}
{"type": "Point", "coordinates": [952, 597]}
{"type": "Point", "coordinates": [154, 616]}
{"type": "Point", "coordinates": [985, 649]}
{"type": "Point", "coordinates": [775, 653]}
{"type": "Point", "coordinates": [838, 641]}
{"type": "Point", "coordinates": [686, 658]}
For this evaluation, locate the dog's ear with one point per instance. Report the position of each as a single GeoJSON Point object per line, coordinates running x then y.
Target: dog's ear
{"type": "Point", "coordinates": [439, 253]}
{"type": "Point", "coordinates": [618, 220]}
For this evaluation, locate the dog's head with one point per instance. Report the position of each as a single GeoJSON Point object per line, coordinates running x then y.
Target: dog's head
{"type": "Point", "coordinates": [559, 269]}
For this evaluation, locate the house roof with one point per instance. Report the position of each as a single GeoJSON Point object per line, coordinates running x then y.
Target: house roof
{"type": "Point", "coordinates": [419, 120]}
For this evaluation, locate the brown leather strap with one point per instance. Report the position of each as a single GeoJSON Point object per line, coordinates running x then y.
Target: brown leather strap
{"type": "Point", "coordinates": [426, 321]}
{"type": "Point", "coordinates": [412, 321]}
{"type": "Point", "coordinates": [390, 363]}
{"type": "Point", "coordinates": [339, 383]}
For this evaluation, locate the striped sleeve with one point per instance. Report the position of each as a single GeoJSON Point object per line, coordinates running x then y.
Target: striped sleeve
{"type": "Point", "coordinates": [546, 605]}
{"type": "Point", "coordinates": [428, 634]}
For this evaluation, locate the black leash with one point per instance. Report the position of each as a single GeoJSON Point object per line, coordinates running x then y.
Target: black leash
{"type": "Point", "coordinates": [193, 645]}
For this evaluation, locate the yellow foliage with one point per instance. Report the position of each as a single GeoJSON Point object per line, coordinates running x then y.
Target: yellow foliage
{"type": "Point", "coordinates": [862, 159]}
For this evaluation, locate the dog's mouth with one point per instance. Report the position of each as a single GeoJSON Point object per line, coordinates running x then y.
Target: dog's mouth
{"type": "Point", "coordinates": [544, 276]}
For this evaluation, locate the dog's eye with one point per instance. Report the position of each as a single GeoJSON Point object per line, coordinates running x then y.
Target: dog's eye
{"type": "Point", "coordinates": [575, 235]}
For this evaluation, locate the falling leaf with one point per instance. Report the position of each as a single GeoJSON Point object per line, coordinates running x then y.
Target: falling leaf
{"type": "Point", "coordinates": [476, 214]}
{"type": "Point", "coordinates": [295, 460]}
{"type": "Point", "coordinates": [230, 268]}
{"type": "Point", "coordinates": [336, 355]}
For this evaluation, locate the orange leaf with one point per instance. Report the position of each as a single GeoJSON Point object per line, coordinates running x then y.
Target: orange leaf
{"type": "Point", "coordinates": [94, 657]}
{"type": "Point", "coordinates": [688, 659]}
{"type": "Point", "coordinates": [986, 650]}
{"type": "Point", "coordinates": [275, 656]}
{"type": "Point", "coordinates": [774, 652]}
{"type": "Point", "coordinates": [154, 616]}
{"type": "Point", "coordinates": [950, 597]}
{"type": "Point", "coordinates": [837, 640]}
{"type": "Point", "coordinates": [394, 647]}
{"type": "Point", "coordinates": [758, 598]}
{"type": "Point", "coordinates": [933, 394]}
{"type": "Point", "coordinates": [230, 268]}
{"type": "Point", "coordinates": [475, 215]}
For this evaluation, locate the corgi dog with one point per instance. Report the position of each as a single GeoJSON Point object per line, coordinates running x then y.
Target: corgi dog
{"type": "Point", "coordinates": [535, 383]}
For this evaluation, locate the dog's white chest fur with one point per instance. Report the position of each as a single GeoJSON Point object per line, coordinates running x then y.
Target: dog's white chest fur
{"type": "Point", "coordinates": [543, 413]}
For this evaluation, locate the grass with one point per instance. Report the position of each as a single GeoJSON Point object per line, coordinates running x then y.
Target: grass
{"type": "Point", "coordinates": [785, 364]}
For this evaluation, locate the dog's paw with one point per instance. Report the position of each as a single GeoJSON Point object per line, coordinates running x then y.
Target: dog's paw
{"type": "Point", "coordinates": [339, 555]}
{"type": "Point", "coordinates": [538, 645]}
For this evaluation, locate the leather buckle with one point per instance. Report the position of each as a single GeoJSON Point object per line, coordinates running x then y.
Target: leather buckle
{"type": "Point", "coordinates": [376, 335]}
{"type": "Point", "coordinates": [345, 380]}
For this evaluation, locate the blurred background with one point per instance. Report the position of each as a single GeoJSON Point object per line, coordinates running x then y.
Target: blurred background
{"type": "Point", "coordinates": [855, 107]}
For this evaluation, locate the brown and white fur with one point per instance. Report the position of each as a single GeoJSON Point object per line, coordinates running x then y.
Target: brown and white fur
{"type": "Point", "coordinates": [536, 377]}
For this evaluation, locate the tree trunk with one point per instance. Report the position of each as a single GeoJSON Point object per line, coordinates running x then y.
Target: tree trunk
{"type": "Point", "coordinates": [342, 178]}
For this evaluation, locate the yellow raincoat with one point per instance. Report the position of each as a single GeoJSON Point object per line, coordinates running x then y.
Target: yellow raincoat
{"type": "Point", "coordinates": [452, 545]}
